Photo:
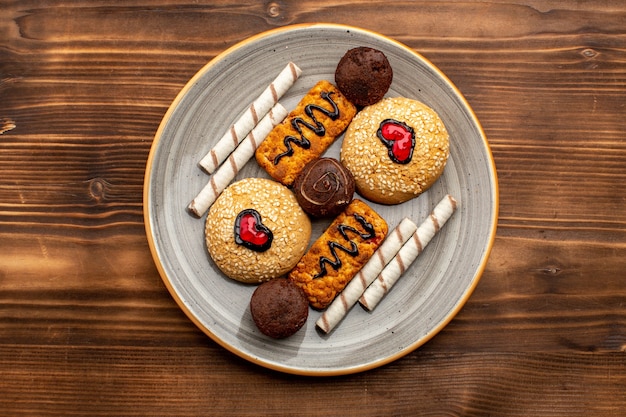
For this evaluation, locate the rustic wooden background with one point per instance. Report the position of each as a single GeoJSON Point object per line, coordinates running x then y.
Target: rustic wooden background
{"type": "Point", "coordinates": [88, 328]}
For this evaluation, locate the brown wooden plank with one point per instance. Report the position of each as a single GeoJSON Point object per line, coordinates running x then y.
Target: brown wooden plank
{"type": "Point", "coordinates": [183, 381]}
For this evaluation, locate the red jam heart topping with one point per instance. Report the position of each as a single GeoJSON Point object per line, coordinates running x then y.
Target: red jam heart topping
{"type": "Point", "coordinates": [399, 139]}
{"type": "Point", "coordinates": [250, 231]}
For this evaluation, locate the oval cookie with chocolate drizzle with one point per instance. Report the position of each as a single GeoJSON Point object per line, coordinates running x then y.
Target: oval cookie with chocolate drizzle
{"type": "Point", "coordinates": [321, 116]}
{"type": "Point", "coordinates": [338, 254]}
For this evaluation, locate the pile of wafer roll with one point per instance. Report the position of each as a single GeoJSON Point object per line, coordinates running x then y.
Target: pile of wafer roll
{"type": "Point", "coordinates": [243, 137]}
{"type": "Point", "coordinates": [394, 251]}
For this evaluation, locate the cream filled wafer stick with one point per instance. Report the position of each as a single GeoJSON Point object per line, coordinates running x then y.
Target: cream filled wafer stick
{"type": "Point", "coordinates": [237, 132]}
{"type": "Point", "coordinates": [408, 253]}
{"type": "Point", "coordinates": [236, 160]}
{"type": "Point", "coordinates": [350, 295]}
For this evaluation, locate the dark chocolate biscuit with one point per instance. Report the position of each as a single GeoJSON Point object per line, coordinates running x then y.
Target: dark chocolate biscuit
{"type": "Point", "coordinates": [279, 308]}
{"type": "Point", "coordinates": [324, 187]}
{"type": "Point", "coordinates": [363, 75]}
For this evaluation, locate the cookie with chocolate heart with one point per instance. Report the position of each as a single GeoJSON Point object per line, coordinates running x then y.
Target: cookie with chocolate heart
{"type": "Point", "coordinates": [256, 230]}
{"type": "Point", "coordinates": [395, 149]}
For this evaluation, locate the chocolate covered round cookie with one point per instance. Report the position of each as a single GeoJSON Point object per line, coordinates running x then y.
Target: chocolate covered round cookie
{"type": "Point", "coordinates": [279, 308]}
{"type": "Point", "coordinates": [324, 187]}
{"type": "Point", "coordinates": [364, 75]}
{"type": "Point", "coordinates": [395, 149]}
{"type": "Point", "coordinates": [256, 230]}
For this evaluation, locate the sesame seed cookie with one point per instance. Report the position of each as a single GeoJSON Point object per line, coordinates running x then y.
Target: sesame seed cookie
{"type": "Point", "coordinates": [256, 231]}
{"type": "Point", "coordinates": [395, 149]}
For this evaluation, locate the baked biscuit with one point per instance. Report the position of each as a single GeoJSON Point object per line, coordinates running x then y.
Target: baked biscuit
{"type": "Point", "coordinates": [256, 230]}
{"type": "Point", "coordinates": [395, 149]}
{"type": "Point", "coordinates": [339, 253]}
{"type": "Point", "coordinates": [279, 308]}
{"type": "Point", "coordinates": [324, 188]}
{"type": "Point", "coordinates": [321, 116]}
{"type": "Point", "coordinates": [364, 75]}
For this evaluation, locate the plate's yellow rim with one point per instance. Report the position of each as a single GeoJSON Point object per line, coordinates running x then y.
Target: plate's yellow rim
{"type": "Point", "coordinates": [277, 367]}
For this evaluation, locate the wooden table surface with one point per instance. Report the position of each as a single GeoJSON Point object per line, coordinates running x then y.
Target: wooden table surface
{"type": "Point", "coordinates": [87, 327]}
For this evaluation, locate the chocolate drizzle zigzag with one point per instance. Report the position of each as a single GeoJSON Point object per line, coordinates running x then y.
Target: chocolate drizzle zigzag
{"type": "Point", "coordinates": [298, 123]}
{"type": "Point", "coordinates": [353, 250]}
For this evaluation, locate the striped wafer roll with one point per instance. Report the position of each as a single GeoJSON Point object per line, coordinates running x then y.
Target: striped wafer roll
{"type": "Point", "coordinates": [350, 295]}
{"type": "Point", "coordinates": [237, 132]}
{"type": "Point", "coordinates": [236, 160]}
{"type": "Point", "coordinates": [408, 253]}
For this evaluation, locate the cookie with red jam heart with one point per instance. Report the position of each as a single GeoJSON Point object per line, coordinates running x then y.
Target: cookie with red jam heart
{"type": "Point", "coordinates": [395, 149]}
{"type": "Point", "coordinates": [256, 230]}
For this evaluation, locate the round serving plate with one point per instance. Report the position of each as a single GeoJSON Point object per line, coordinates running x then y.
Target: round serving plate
{"type": "Point", "coordinates": [425, 298]}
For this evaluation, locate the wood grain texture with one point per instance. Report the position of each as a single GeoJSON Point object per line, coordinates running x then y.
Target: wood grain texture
{"type": "Point", "coordinates": [88, 328]}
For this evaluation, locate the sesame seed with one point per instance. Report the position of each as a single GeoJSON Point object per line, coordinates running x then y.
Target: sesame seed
{"type": "Point", "coordinates": [367, 157]}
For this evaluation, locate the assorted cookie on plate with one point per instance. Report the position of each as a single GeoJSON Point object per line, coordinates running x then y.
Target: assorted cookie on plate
{"type": "Point", "coordinates": [258, 230]}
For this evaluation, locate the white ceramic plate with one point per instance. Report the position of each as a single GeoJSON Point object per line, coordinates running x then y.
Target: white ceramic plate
{"type": "Point", "coordinates": [424, 300]}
